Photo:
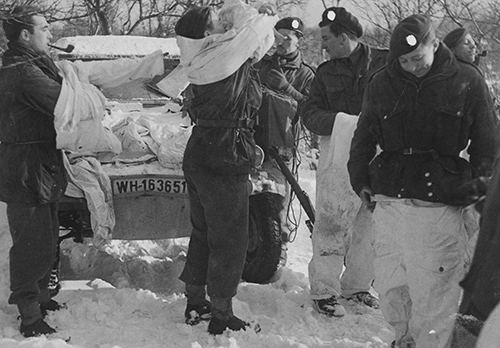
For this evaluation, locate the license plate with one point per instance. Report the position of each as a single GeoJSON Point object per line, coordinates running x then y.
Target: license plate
{"type": "Point", "coordinates": [154, 184]}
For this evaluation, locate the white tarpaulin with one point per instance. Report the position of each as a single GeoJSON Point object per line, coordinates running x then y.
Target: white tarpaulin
{"type": "Point", "coordinates": [80, 108]}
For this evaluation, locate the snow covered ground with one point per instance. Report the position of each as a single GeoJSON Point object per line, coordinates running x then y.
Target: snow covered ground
{"type": "Point", "coordinates": [100, 315]}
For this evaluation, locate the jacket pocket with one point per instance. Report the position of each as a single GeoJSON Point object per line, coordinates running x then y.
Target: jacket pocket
{"type": "Point", "coordinates": [441, 180]}
{"type": "Point", "coordinates": [448, 125]}
{"type": "Point", "coordinates": [392, 130]}
{"type": "Point", "coordinates": [335, 90]}
{"type": "Point", "coordinates": [243, 149]}
{"type": "Point", "coordinates": [385, 175]}
{"type": "Point", "coordinates": [456, 173]}
{"type": "Point", "coordinates": [231, 154]}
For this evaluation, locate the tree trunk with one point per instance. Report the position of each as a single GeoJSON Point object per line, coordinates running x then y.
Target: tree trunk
{"type": "Point", "coordinates": [104, 23]}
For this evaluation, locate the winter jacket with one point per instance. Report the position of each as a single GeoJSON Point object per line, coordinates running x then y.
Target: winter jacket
{"type": "Point", "coordinates": [278, 113]}
{"type": "Point", "coordinates": [224, 113]}
{"type": "Point", "coordinates": [297, 73]}
{"type": "Point", "coordinates": [31, 168]}
{"type": "Point", "coordinates": [421, 126]}
{"type": "Point", "coordinates": [339, 86]}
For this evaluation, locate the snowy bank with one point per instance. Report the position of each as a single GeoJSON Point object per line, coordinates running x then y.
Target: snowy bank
{"type": "Point", "coordinates": [118, 45]}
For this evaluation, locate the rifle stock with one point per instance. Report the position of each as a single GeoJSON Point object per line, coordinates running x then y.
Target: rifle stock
{"type": "Point", "coordinates": [302, 196]}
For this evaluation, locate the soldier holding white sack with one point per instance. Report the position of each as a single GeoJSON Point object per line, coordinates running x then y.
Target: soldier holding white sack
{"type": "Point", "coordinates": [339, 234]}
{"type": "Point", "coordinates": [422, 110]}
{"type": "Point", "coordinates": [46, 107]}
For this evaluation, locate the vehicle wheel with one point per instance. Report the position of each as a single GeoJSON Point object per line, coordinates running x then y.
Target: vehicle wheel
{"type": "Point", "coordinates": [266, 253]}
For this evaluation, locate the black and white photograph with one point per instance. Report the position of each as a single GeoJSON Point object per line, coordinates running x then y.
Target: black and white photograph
{"type": "Point", "coordinates": [249, 173]}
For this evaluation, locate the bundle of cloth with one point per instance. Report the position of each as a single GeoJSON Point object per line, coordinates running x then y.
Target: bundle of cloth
{"type": "Point", "coordinates": [336, 202]}
{"type": "Point", "coordinates": [200, 58]}
{"type": "Point", "coordinates": [157, 133]}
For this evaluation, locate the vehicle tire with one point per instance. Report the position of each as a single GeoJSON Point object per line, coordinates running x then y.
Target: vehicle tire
{"type": "Point", "coordinates": [266, 253]}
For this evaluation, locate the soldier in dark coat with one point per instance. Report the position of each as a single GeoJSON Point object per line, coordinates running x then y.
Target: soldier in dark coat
{"type": "Point", "coordinates": [286, 80]}
{"type": "Point", "coordinates": [421, 110]}
{"type": "Point", "coordinates": [217, 161]}
{"type": "Point", "coordinates": [32, 175]}
{"type": "Point", "coordinates": [285, 70]}
{"type": "Point", "coordinates": [338, 87]}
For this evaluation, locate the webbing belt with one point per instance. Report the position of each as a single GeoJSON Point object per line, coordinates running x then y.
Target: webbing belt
{"type": "Point", "coordinates": [241, 123]}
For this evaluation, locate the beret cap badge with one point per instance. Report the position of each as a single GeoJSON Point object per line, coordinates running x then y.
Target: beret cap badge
{"type": "Point", "coordinates": [331, 15]}
{"type": "Point", "coordinates": [408, 34]}
{"type": "Point", "coordinates": [411, 40]}
{"type": "Point", "coordinates": [295, 24]}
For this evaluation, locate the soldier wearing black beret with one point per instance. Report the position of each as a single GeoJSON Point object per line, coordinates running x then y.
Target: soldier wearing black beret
{"type": "Point", "coordinates": [338, 87]}
{"type": "Point", "coordinates": [339, 20]}
{"type": "Point", "coordinates": [284, 69]}
{"type": "Point", "coordinates": [420, 112]}
{"type": "Point", "coordinates": [461, 43]}
{"type": "Point", "coordinates": [294, 24]}
{"type": "Point", "coordinates": [286, 79]}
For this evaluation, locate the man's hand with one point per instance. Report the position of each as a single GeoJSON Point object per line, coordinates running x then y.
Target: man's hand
{"type": "Point", "coordinates": [366, 195]}
{"type": "Point", "coordinates": [276, 80]}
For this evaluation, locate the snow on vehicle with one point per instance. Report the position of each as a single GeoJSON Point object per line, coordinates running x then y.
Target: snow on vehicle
{"type": "Point", "coordinates": [149, 195]}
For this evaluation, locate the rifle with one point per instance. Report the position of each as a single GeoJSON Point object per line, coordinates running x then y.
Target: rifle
{"type": "Point", "coordinates": [302, 195]}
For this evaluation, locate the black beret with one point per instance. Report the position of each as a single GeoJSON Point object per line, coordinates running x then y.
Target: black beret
{"type": "Point", "coordinates": [453, 38]}
{"type": "Point", "coordinates": [409, 34]}
{"type": "Point", "coordinates": [339, 16]}
{"type": "Point", "coordinates": [291, 23]}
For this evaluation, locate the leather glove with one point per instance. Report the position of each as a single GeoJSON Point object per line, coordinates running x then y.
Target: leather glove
{"type": "Point", "coordinates": [276, 80]}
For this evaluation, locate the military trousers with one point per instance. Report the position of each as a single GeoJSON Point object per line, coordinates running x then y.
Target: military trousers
{"type": "Point", "coordinates": [219, 209]}
{"type": "Point", "coordinates": [34, 231]}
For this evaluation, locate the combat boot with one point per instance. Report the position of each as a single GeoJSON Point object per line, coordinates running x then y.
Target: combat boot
{"type": "Point", "coordinates": [223, 317]}
{"type": "Point", "coordinates": [198, 308]}
{"type": "Point", "coordinates": [37, 328]}
{"type": "Point", "coordinates": [329, 306]}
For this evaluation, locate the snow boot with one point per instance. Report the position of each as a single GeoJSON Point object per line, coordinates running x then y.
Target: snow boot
{"type": "Point", "coordinates": [364, 297]}
{"type": "Point", "coordinates": [218, 325]}
{"type": "Point", "coordinates": [51, 306]}
{"type": "Point", "coordinates": [198, 308]}
{"type": "Point", "coordinates": [195, 313]}
{"type": "Point", "coordinates": [329, 306]}
{"type": "Point", "coordinates": [223, 317]}
{"type": "Point", "coordinates": [37, 328]}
